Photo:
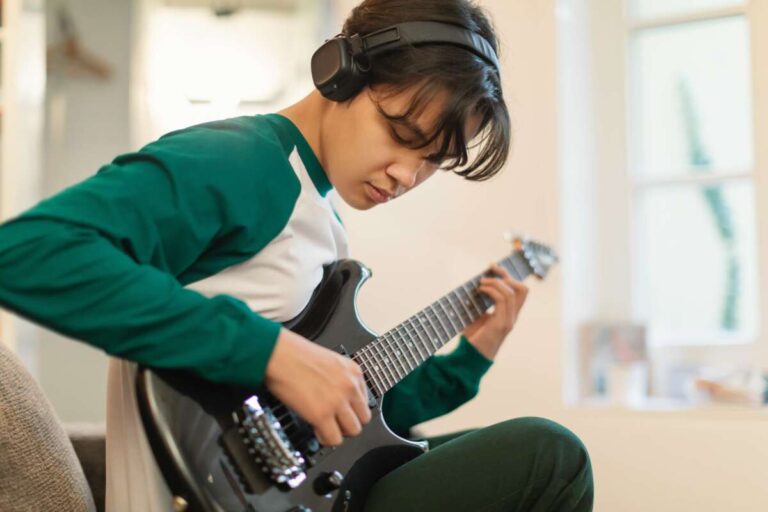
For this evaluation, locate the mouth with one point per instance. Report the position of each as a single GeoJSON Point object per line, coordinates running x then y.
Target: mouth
{"type": "Point", "coordinates": [376, 194]}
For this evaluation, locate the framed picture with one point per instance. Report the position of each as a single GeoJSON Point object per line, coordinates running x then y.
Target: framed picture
{"type": "Point", "coordinates": [605, 347]}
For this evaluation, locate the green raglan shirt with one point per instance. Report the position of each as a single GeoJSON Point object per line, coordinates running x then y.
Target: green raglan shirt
{"type": "Point", "coordinates": [191, 252]}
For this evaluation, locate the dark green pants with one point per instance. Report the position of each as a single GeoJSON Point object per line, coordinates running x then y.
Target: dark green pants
{"type": "Point", "coordinates": [521, 465]}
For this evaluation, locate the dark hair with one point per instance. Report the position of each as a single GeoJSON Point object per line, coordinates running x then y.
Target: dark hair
{"type": "Point", "coordinates": [473, 85]}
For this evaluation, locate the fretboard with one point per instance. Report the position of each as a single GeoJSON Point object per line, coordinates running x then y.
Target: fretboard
{"type": "Point", "coordinates": [390, 357]}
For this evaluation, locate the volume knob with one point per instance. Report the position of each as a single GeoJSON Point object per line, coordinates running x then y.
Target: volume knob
{"type": "Point", "coordinates": [328, 482]}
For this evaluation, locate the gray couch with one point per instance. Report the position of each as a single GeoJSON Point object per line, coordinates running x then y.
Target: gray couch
{"type": "Point", "coordinates": [44, 465]}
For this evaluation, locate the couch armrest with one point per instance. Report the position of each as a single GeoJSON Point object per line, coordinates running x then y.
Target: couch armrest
{"type": "Point", "coordinates": [89, 441]}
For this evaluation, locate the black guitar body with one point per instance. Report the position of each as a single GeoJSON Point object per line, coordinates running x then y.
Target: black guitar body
{"type": "Point", "coordinates": [218, 455]}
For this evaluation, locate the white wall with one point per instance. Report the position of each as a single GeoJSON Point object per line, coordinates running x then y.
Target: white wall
{"type": "Point", "coordinates": [87, 125]}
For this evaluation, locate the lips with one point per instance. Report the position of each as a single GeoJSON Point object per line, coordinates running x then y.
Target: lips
{"type": "Point", "coordinates": [378, 195]}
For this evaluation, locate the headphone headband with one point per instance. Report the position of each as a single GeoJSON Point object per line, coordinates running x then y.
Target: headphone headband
{"type": "Point", "coordinates": [340, 65]}
{"type": "Point", "coordinates": [414, 33]}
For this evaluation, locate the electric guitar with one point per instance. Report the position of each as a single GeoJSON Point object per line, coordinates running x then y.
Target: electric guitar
{"type": "Point", "coordinates": [225, 449]}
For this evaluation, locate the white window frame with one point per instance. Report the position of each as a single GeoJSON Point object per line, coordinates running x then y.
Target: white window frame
{"type": "Point", "coordinates": [714, 350]}
{"type": "Point", "coordinates": [599, 202]}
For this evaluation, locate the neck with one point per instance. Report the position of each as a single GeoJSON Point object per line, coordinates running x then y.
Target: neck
{"type": "Point", "coordinates": [308, 115]}
{"type": "Point", "coordinates": [391, 357]}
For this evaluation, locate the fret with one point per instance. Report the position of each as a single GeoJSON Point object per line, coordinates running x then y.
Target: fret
{"type": "Point", "coordinates": [471, 297]}
{"type": "Point", "coordinates": [434, 342]}
{"type": "Point", "coordinates": [466, 302]}
{"type": "Point", "coordinates": [371, 380]}
{"type": "Point", "coordinates": [372, 375]}
{"type": "Point", "coordinates": [417, 337]}
{"type": "Point", "coordinates": [375, 384]}
{"type": "Point", "coordinates": [392, 349]}
{"type": "Point", "coordinates": [376, 368]}
{"type": "Point", "coordinates": [485, 300]}
{"type": "Point", "coordinates": [429, 338]}
{"type": "Point", "coordinates": [479, 297]}
{"type": "Point", "coordinates": [421, 322]}
{"type": "Point", "coordinates": [394, 354]}
{"type": "Point", "coordinates": [383, 363]}
{"type": "Point", "coordinates": [410, 343]}
{"type": "Point", "coordinates": [358, 358]}
{"type": "Point", "coordinates": [450, 314]}
{"type": "Point", "coordinates": [464, 315]}
{"type": "Point", "coordinates": [449, 332]}
{"type": "Point", "coordinates": [402, 350]}
{"type": "Point", "coordinates": [442, 313]}
{"type": "Point", "coordinates": [425, 324]}
{"type": "Point", "coordinates": [392, 360]}
{"type": "Point", "coordinates": [445, 334]}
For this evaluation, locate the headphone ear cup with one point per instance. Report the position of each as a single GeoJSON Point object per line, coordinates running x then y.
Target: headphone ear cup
{"type": "Point", "coordinates": [335, 72]}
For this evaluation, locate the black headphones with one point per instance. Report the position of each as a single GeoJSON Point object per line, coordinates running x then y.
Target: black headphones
{"type": "Point", "coordinates": [340, 65]}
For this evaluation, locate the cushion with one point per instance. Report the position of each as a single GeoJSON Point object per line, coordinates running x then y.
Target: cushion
{"type": "Point", "coordinates": [38, 467]}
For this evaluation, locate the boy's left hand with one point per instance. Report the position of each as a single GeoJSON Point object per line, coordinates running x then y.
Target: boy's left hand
{"type": "Point", "coordinates": [489, 331]}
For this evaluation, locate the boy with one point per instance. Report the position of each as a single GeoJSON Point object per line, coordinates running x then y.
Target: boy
{"type": "Point", "coordinates": [191, 252]}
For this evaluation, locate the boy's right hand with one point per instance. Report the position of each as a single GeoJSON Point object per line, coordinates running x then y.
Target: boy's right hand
{"type": "Point", "coordinates": [325, 388]}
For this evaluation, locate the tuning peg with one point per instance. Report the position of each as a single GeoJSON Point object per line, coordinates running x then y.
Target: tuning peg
{"type": "Point", "coordinates": [518, 241]}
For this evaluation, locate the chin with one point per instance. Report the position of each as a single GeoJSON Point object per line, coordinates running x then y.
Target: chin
{"type": "Point", "coordinates": [358, 202]}
{"type": "Point", "coordinates": [363, 204]}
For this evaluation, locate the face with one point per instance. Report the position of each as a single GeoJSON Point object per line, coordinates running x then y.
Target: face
{"type": "Point", "coordinates": [366, 165]}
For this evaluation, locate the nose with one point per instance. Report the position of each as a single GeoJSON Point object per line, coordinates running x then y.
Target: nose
{"type": "Point", "coordinates": [406, 173]}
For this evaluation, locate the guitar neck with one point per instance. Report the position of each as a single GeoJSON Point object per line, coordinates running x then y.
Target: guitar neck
{"type": "Point", "coordinates": [391, 357]}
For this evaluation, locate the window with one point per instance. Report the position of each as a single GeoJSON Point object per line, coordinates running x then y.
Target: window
{"type": "Point", "coordinates": [691, 167]}
{"type": "Point", "coordinates": [673, 97]}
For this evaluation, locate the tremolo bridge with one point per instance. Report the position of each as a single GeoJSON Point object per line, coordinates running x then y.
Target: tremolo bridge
{"type": "Point", "coordinates": [269, 445]}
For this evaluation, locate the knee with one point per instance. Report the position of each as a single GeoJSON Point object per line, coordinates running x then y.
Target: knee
{"type": "Point", "coordinates": [552, 438]}
{"type": "Point", "coordinates": [557, 451]}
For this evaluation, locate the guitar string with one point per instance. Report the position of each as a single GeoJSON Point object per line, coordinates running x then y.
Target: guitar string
{"type": "Point", "coordinates": [389, 339]}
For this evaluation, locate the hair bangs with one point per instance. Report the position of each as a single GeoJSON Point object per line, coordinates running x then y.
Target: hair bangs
{"type": "Point", "coordinates": [490, 144]}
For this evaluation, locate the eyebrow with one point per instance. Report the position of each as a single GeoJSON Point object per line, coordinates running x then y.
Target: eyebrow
{"type": "Point", "coordinates": [409, 124]}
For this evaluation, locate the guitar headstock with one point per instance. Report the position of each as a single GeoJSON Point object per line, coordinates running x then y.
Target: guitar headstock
{"type": "Point", "coordinates": [539, 257]}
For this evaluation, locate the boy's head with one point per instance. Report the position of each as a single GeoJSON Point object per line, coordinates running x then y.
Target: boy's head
{"type": "Point", "coordinates": [434, 101]}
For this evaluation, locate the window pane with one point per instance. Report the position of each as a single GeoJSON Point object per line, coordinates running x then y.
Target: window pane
{"type": "Point", "coordinates": [691, 98]}
{"type": "Point", "coordinates": [695, 272]}
{"type": "Point", "coordinates": [653, 8]}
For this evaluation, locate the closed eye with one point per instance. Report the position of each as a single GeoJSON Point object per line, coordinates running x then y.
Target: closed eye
{"type": "Point", "coordinates": [401, 139]}
{"type": "Point", "coordinates": [434, 159]}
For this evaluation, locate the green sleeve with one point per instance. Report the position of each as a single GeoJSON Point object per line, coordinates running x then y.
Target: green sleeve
{"type": "Point", "coordinates": [105, 260]}
{"type": "Point", "coordinates": [438, 386]}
